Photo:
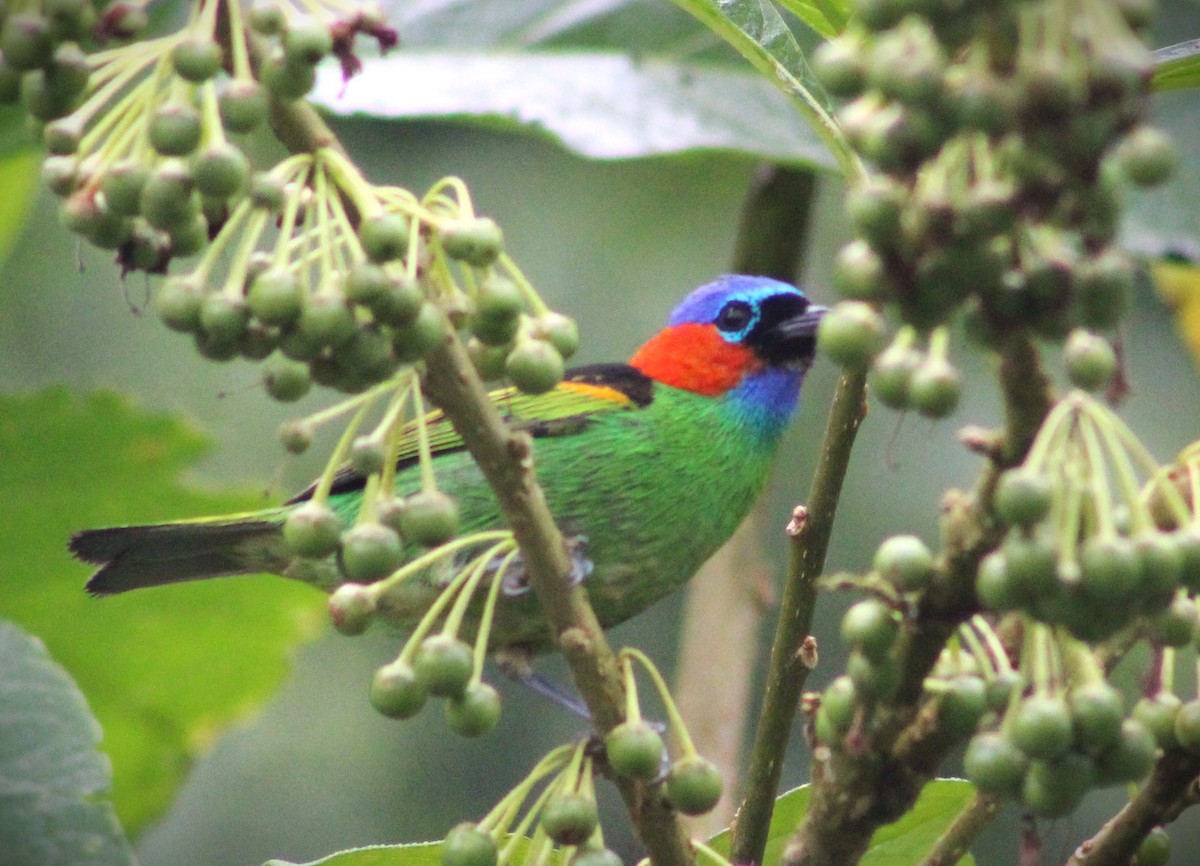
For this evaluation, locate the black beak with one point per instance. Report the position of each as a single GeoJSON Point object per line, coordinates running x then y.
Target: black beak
{"type": "Point", "coordinates": [792, 341]}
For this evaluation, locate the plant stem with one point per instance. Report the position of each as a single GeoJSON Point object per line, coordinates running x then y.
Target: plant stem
{"type": "Point", "coordinates": [727, 599]}
{"type": "Point", "coordinates": [787, 672]}
{"type": "Point", "coordinates": [1171, 788]}
{"type": "Point", "coordinates": [953, 844]}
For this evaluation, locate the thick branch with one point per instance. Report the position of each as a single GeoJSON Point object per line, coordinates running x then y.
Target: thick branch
{"type": "Point", "coordinates": [857, 791]}
{"type": "Point", "coordinates": [1172, 787]}
{"type": "Point", "coordinates": [787, 671]}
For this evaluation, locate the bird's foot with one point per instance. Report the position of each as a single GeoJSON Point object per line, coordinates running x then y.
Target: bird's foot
{"type": "Point", "coordinates": [516, 582]}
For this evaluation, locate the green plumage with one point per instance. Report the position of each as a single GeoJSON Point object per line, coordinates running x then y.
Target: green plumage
{"type": "Point", "coordinates": [653, 489]}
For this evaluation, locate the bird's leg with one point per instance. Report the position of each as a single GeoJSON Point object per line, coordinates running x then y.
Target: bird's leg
{"type": "Point", "coordinates": [516, 663]}
{"type": "Point", "coordinates": [516, 582]}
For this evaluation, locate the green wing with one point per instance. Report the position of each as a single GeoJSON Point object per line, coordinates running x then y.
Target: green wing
{"type": "Point", "coordinates": [584, 394]}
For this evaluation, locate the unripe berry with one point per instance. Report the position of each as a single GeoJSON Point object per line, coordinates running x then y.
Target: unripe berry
{"type": "Point", "coordinates": [905, 561]}
{"type": "Point", "coordinates": [312, 531]}
{"type": "Point", "coordinates": [196, 59]}
{"type": "Point", "coordinates": [467, 845]}
{"type": "Point", "coordinates": [286, 380]}
{"type": "Point", "coordinates": [444, 665]}
{"type": "Point", "coordinates": [475, 712]}
{"type": "Point", "coordinates": [570, 819]}
{"type": "Point", "coordinates": [694, 785]}
{"type": "Point", "coordinates": [370, 551]}
{"type": "Point", "coordinates": [477, 241]}
{"type": "Point", "coordinates": [851, 334]}
{"type": "Point", "coordinates": [635, 750]}
{"type": "Point", "coordinates": [396, 692]}
{"type": "Point", "coordinates": [534, 366]}
{"type": "Point", "coordinates": [350, 608]}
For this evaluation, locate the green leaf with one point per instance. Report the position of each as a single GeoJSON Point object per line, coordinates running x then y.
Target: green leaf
{"type": "Point", "coordinates": [827, 17]}
{"type": "Point", "coordinates": [1177, 66]}
{"type": "Point", "coordinates": [903, 842]}
{"type": "Point", "coordinates": [601, 105]}
{"type": "Point", "coordinates": [164, 670]}
{"type": "Point", "coordinates": [422, 854]}
{"type": "Point", "coordinates": [54, 784]}
{"type": "Point", "coordinates": [19, 180]}
{"type": "Point", "coordinates": [755, 30]}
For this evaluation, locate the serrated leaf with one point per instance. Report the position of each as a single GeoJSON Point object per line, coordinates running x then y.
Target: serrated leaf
{"type": "Point", "coordinates": [903, 842]}
{"type": "Point", "coordinates": [166, 669]}
{"type": "Point", "coordinates": [601, 105]}
{"type": "Point", "coordinates": [54, 783]}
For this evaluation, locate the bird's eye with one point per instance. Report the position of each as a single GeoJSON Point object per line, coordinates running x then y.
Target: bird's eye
{"type": "Point", "coordinates": [734, 316]}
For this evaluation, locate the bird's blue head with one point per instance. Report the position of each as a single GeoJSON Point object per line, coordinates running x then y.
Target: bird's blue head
{"type": "Point", "coordinates": [746, 340]}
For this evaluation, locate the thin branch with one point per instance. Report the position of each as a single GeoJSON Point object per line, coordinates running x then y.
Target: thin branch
{"type": "Point", "coordinates": [787, 671]}
{"type": "Point", "coordinates": [953, 844]}
{"type": "Point", "coordinates": [1171, 788]}
{"type": "Point", "coordinates": [728, 598]}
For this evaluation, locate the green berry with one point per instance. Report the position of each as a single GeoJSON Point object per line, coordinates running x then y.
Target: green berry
{"type": "Point", "coordinates": [1041, 727]}
{"type": "Point", "coordinates": [306, 43]}
{"type": "Point", "coordinates": [635, 751]}
{"type": "Point", "coordinates": [267, 192]}
{"type": "Point", "coordinates": [396, 692]}
{"type": "Point", "coordinates": [1023, 497]}
{"type": "Point", "coordinates": [839, 703]}
{"type": "Point", "coordinates": [286, 380]}
{"type": "Point", "coordinates": [534, 366]}
{"type": "Point", "coordinates": [275, 297]}
{"type": "Point", "coordinates": [905, 561]}
{"type": "Point", "coordinates": [177, 303]}
{"type": "Point", "coordinates": [875, 208]}
{"type": "Point", "coordinates": [221, 171]}
{"type": "Point", "coordinates": [242, 105]}
{"type": "Point", "coordinates": [995, 765]}
{"type": "Point", "coordinates": [327, 318]}
{"type": "Point", "coordinates": [26, 41]}
{"type": "Point", "coordinates": [370, 551]}
{"type": "Point", "coordinates": [223, 317]}
{"type": "Point", "coordinates": [1146, 156]}
{"type": "Point", "coordinates": [488, 360]}
{"type": "Point", "coordinates": [477, 241]}
{"type": "Point", "coordinates": [258, 341]}
{"type": "Point", "coordinates": [175, 130]}
{"type": "Point", "coordinates": [190, 237]}
{"type": "Point", "coordinates": [1187, 542]}
{"type": "Point", "coordinates": [367, 455]}
{"type": "Point", "coordinates": [1187, 726]}
{"type": "Point", "coordinates": [268, 19]}
{"type": "Point", "coordinates": [570, 818]}
{"type": "Point", "coordinates": [558, 330]}
{"type": "Point", "coordinates": [196, 59]}
{"type": "Point", "coordinates": [498, 306]}
{"type": "Point", "coordinates": [1096, 714]}
{"type": "Point", "coordinates": [429, 518]}
{"type": "Point", "coordinates": [1161, 565]}
{"type": "Point", "coordinates": [851, 334]}
{"type": "Point", "coordinates": [444, 665]}
{"type": "Point", "coordinates": [384, 237]}
{"type": "Point", "coordinates": [1053, 789]}
{"type": "Point", "coordinates": [873, 679]}
{"type": "Point", "coordinates": [871, 627]}
{"type": "Point", "coordinates": [43, 98]}
{"type": "Point", "coordinates": [367, 284]}
{"type": "Point", "coordinates": [61, 137]}
{"type": "Point", "coordinates": [935, 388]}
{"type": "Point", "coordinates": [1155, 849]}
{"type": "Point", "coordinates": [350, 608]}
{"type": "Point", "coordinates": [122, 187]}
{"type": "Point", "coordinates": [1103, 285]}
{"type": "Point", "coordinates": [1176, 625]}
{"type": "Point", "coordinates": [1109, 568]}
{"type": "Point", "coordinates": [169, 197]}
{"type": "Point", "coordinates": [297, 437]}
{"type": "Point", "coordinates": [312, 531]}
{"type": "Point", "coordinates": [467, 845]}
{"type": "Point", "coordinates": [61, 174]}
{"type": "Point", "coordinates": [1131, 759]}
{"type": "Point", "coordinates": [1158, 714]}
{"type": "Point", "coordinates": [838, 65]}
{"type": "Point", "coordinates": [961, 705]}
{"type": "Point", "coordinates": [1001, 689]}
{"type": "Point", "coordinates": [891, 375]}
{"type": "Point", "coordinates": [694, 785]}
{"type": "Point", "coordinates": [402, 306]}
{"type": "Point", "coordinates": [475, 712]}
{"type": "Point", "coordinates": [416, 339]}
{"type": "Point", "coordinates": [859, 273]}
{"type": "Point", "coordinates": [1090, 360]}
{"type": "Point", "coordinates": [284, 80]}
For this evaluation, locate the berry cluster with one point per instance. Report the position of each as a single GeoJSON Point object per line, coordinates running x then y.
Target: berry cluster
{"type": "Point", "coordinates": [999, 181]}
{"type": "Point", "coordinates": [138, 134]}
{"type": "Point", "coordinates": [566, 808]}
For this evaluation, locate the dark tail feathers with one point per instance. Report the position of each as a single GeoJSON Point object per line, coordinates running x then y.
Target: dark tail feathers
{"type": "Point", "coordinates": [133, 557]}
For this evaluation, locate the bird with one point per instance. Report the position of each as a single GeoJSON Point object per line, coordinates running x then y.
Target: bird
{"type": "Point", "coordinates": [648, 466]}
